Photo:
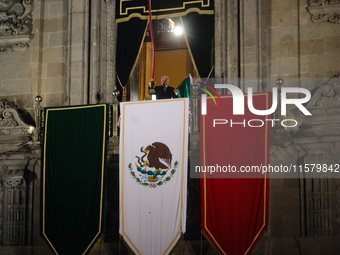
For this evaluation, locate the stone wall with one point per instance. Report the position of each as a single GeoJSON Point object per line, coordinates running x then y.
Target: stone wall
{"type": "Point", "coordinates": [299, 46]}
{"type": "Point", "coordinates": [271, 39]}
{"type": "Point", "coordinates": [39, 69]}
{"type": "Point", "coordinates": [66, 63]}
{"type": "Point", "coordinates": [70, 59]}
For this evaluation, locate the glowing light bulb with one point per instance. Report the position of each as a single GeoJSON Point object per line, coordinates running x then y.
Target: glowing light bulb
{"type": "Point", "coordinates": [178, 30]}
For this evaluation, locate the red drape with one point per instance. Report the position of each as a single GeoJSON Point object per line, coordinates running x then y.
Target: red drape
{"type": "Point", "coordinates": [234, 205]}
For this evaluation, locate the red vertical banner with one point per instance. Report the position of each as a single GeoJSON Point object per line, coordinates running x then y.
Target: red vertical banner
{"type": "Point", "coordinates": [234, 187]}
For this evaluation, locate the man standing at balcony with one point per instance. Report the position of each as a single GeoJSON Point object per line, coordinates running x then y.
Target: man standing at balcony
{"type": "Point", "coordinates": [165, 91]}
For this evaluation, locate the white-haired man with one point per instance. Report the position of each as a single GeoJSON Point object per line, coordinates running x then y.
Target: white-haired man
{"type": "Point", "coordinates": [165, 91]}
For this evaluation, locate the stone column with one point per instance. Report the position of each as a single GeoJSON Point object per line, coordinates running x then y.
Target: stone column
{"type": "Point", "coordinates": [241, 41]}
{"type": "Point", "coordinates": [77, 58]}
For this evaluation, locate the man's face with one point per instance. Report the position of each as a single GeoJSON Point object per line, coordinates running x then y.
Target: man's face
{"type": "Point", "coordinates": [165, 81]}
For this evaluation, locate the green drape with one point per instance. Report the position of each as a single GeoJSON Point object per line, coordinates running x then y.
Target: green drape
{"type": "Point", "coordinates": [73, 177]}
{"type": "Point", "coordinates": [184, 87]}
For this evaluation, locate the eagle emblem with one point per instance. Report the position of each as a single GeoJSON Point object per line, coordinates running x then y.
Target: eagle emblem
{"type": "Point", "coordinates": [153, 166]}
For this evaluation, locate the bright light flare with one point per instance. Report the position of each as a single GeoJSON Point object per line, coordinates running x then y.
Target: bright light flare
{"type": "Point", "coordinates": [178, 30]}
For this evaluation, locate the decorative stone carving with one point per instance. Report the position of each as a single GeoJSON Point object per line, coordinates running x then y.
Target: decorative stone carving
{"type": "Point", "coordinates": [11, 122]}
{"type": "Point", "coordinates": [324, 10]}
{"type": "Point", "coordinates": [14, 132]}
{"type": "Point", "coordinates": [14, 201]}
{"type": "Point", "coordinates": [15, 24]}
{"type": "Point", "coordinates": [15, 185]}
{"type": "Point", "coordinates": [317, 203]}
{"type": "Point", "coordinates": [326, 98]}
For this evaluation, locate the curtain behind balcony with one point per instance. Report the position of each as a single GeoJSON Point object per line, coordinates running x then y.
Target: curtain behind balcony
{"type": "Point", "coordinates": [199, 31]}
{"type": "Point", "coordinates": [132, 19]}
{"type": "Point", "coordinates": [130, 37]}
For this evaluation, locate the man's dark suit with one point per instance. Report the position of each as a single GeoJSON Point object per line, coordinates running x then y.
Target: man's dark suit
{"type": "Point", "coordinates": [165, 93]}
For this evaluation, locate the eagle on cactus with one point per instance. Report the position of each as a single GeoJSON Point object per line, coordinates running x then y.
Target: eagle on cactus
{"type": "Point", "coordinates": [155, 156]}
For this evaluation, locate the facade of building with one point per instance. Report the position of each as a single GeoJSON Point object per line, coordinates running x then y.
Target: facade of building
{"type": "Point", "coordinates": [64, 52]}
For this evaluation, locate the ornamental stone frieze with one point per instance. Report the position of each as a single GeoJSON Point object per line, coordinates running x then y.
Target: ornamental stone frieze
{"type": "Point", "coordinates": [11, 123]}
{"type": "Point", "coordinates": [14, 132]}
{"type": "Point", "coordinates": [324, 10]}
{"type": "Point", "coordinates": [326, 96]}
{"type": "Point", "coordinates": [325, 108]}
{"type": "Point", "coordinates": [15, 24]}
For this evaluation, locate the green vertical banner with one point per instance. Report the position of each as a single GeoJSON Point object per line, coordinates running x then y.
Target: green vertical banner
{"type": "Point", "coordinates": [73, 177]}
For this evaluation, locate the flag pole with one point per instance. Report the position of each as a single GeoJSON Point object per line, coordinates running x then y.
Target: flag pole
{"type": "Point", "coordinates": [153, 42]}
{"type": "Point", "coordinates": [152, 81]}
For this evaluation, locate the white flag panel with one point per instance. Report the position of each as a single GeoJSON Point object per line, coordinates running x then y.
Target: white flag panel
{"type": "Point", "coordinates": [153, 174]}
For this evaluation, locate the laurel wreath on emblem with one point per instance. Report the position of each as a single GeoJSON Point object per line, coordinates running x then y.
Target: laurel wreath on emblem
{"type": "Point", "coordinates": [155, 171]}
